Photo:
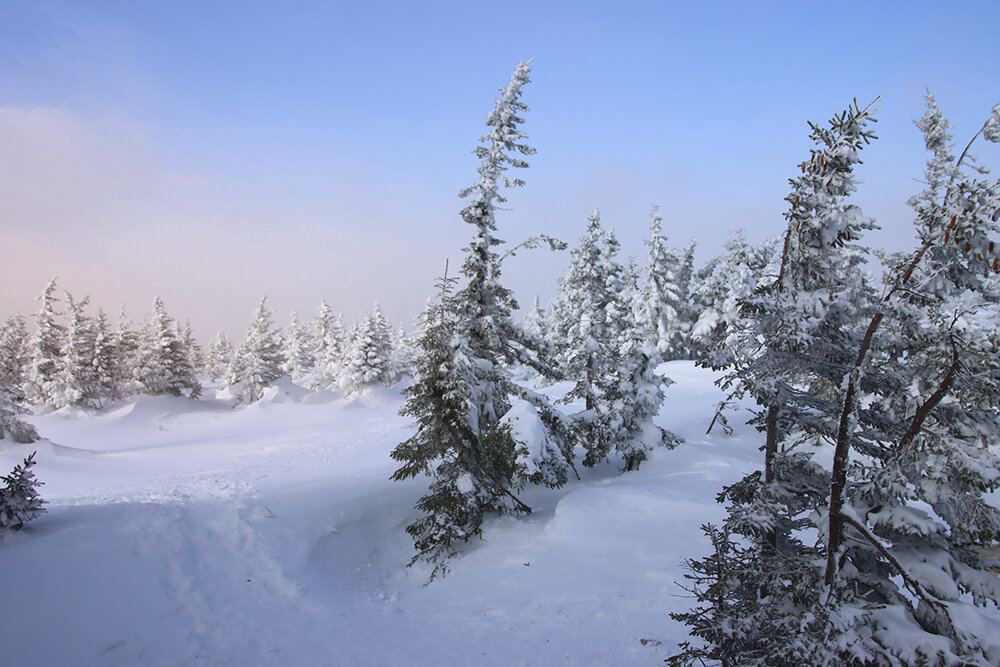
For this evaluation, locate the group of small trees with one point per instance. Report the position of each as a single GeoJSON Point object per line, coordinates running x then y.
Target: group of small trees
{"type": "Point", "coordinates": [73, 358]}
{"type": "Point", "coordinates": [82, 362]}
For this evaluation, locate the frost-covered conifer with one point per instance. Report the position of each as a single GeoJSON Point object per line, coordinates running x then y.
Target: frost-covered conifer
{"type": "Point", "coordinates": [907, 513]}
{"type": "Point", "coordinates": [126, 342]}
{"type": "Point", "coordinates": [660, 300]}
{"type": "Point", "coordinates": [369, 360]}
{"type": "Point", "coordinates": [331, 347]}
{"type": "Point", "coordinates": [793, 347]}
{"type": "Point", "coordinates": [104, 361]}
{"type": "Point", "coordinates": [404, 353]}
{"type": "Point", "coordinates": [78, 375]}
{"type": "Point", "coordinates": [196, 356]}
{"type": "Point", "coordinates": [14, 361]}
{"type": "Point", "coordinates": [299, 348]}
{"type": "Point", "coordinates": [258, 361]}
{"type": "Point", "coordinates": [220, 356]}
{"type": "Point", "coordinates": [535, 322]}
{"type": "Point", "coordinates": [901, 518]}
{"type": "Point", "coordinates": [477, 467]}
{"type": "Point", "coordinates": [43, 383]}
{"type": "Point", "coordinates": [163, 365]}
{"type": "Point", "coordinates": [586, 330]}
{"type": "Point", "coordinates": [19, 499]}
{"type": "Point", "coordinates": [631, 395]}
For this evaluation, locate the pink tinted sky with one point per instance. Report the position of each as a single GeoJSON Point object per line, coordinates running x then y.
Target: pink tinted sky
{"type": "Point", "coordinates": [210, 152]}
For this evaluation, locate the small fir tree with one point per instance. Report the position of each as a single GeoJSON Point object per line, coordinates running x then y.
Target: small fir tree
{"type": "Point", "coordinates": [19, 499]}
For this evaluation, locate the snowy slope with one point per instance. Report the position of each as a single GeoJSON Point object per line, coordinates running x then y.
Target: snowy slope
{"type": "Point", "coordinates": [187, 532]}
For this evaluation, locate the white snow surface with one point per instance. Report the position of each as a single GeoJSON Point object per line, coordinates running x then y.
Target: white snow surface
{"type": "Point", "coordinates": [192, 532]}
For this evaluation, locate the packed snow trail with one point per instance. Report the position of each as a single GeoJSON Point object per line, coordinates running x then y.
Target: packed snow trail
{"type": "Point", "coordinates": [187, 532]}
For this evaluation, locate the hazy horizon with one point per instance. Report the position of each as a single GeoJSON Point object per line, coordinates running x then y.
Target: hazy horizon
{"type": "Point", "coordinates": [210, 154]}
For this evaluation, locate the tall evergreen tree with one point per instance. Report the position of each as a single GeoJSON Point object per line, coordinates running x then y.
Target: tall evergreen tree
{"type": "Point", "coordinates": [475, 469]}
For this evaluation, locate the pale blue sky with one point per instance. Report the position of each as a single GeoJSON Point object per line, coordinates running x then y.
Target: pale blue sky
{"type": "Point", "coordinates": [212, 151]}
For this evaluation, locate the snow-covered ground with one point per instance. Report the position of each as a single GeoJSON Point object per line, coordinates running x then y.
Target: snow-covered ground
{"type": "Point", "coordinates": [189, 532]}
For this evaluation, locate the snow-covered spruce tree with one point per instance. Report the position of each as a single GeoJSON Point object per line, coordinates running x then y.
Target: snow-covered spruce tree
{"type": "Point", "coordinates": [196, 355]}
{"type": "Point", "coordinates": [535, 320]}
{"type": "Point", "coordinates": [14, 360]}
{"type": "Point", "coordinates": [439, 398]}
{"type": "Point", "coordinates": [795, 344]}
{"type": "Point", "coordinates": [126, 343]}
{"type": "Point", "coordinates": [631, 395]}
{"type": "Point", "coordinates": [220, 356]}
{"type": "Point", "coordinates": [331, 347]}
{"type": "Point", "coordinates": [43, 383]}
{"type": "Point", "coordinates": [163, 365]}
{"type": "Point", "coordinates": [404, 354]}
{"type": "Point", "coordinates": [369, 360]}
{"type": "Point", "coordinates": [659, 303]}
{"type": "Point", "coordinates": [299, 348]}
{"type": "Point", "coordinates": [462, 388]}
{"type": "Point", "coordinates": [258, 361]}
{"type": "Point", "coordinates": [79, 378]}
{"type": "Point", "coordinates": [688, 311]}
{"type": "Point", "coordinates": [104, 361]}
{"type": "Point", "coordinates": [19, 499]}
{"type": "Point", "coordinates": [586, 330]}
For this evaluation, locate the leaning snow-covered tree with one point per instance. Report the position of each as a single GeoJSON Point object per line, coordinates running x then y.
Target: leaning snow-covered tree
{"type": "Point", "coordinates": [462, 389]}
{"type": "Point", "coordinates": [899, 569]}
{"type": "Point", "coordinates": [14, 360]}
{"type": "Point", "coordinates": [792, 348]}
{"type": "Point", "coordinates": [258, 361]}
